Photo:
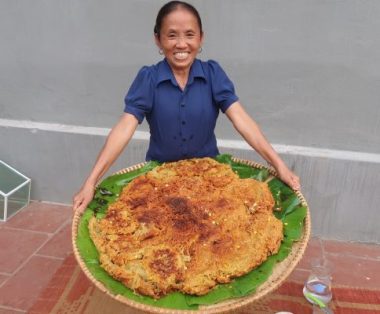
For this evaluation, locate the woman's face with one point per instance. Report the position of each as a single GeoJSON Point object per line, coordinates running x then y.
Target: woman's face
{"type": "Point", "coordinates": [180, 39]}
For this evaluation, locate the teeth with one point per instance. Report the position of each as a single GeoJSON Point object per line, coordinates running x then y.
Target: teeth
{"type": "Point", "coordinates": [181, 55]}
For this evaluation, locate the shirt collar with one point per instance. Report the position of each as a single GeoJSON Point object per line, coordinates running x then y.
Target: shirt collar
{"type": "Point", "coordinates": [165, 73]}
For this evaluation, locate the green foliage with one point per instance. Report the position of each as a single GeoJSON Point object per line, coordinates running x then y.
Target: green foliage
{"type": "Point", "coordinates": [292, 214]}
{"type": "Point", "coordinates": [242, 170]}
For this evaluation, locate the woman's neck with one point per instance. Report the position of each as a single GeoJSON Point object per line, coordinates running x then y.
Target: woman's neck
{"type": "Point", "coordinates": [181, 77]}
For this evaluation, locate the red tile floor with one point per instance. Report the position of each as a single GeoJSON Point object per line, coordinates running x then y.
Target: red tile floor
{"type": "Point", "coordinates": [35, 242]}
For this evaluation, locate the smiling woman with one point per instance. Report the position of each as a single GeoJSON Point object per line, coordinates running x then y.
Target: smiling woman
{"type": "Point", "coordinates": [180, 97]}
{"type": "Point", "coordinates": [180, 37]}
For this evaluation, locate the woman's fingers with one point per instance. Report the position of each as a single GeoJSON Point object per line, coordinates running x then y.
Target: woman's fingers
{"type": "Point", "coordinates": [290, 178]}
{"type": "Point", "coordinates": [295, 183]}
{"type": "Point", "coordinates": [78, 200]}
{"type": "Point", "coordinates": [80, 205]}
{"type": "Point", "coordinates": [83, 198]}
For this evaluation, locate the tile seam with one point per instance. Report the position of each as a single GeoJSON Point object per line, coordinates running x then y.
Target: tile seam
{"type": "Point", "coordinates": [11, 309]}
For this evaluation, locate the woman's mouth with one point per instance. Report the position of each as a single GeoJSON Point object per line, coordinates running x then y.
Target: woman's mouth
{"type": "Point", "coordinates": [181, 55]}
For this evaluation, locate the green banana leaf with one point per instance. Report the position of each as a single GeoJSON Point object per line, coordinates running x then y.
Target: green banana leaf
{"type": "Point", "coordinates": [292, 214]}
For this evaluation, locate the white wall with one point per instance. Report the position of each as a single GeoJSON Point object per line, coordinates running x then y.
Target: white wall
{"type": "Point", "coordinates": [307, 71]}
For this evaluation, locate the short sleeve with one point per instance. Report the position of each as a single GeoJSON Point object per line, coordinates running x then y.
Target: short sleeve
{"type": "Point", "coordinates": [223, 90]}
{"type": "Point", "coordinates": [139, 98]}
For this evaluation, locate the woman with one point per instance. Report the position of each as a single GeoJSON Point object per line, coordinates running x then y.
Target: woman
{"type": "Point", "coordinates": [180, 97]}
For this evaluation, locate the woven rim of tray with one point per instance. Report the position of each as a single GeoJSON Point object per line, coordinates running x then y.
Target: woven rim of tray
{"type": "Point", "coordinates": [280, 271]}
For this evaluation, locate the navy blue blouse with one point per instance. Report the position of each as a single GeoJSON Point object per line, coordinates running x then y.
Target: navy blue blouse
{"type": "Point", "coordinates": [181, 122]}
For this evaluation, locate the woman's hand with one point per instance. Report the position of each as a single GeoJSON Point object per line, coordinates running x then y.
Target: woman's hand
{"type": "Point", "coordinates": [289, 177]}
{"type": "Point", "coordinates": [251, 132]}
{"type": "Point", "coordinates": [83, 198]}
{"type": "Point", "coordinates": [116, 141]}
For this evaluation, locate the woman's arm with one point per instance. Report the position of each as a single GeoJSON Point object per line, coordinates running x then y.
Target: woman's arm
{"type": "Point", "coordinates": [251, 132]}
{"type": "Point", "coordinates": [116, 141]}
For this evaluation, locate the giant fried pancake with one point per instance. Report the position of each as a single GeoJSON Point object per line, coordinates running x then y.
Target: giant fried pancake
{"type": "Point", "coordinates": [186, 226]}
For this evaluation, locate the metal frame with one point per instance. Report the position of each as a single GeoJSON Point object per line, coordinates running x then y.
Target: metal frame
{"type": "Point", "coordinates": [6, 195]}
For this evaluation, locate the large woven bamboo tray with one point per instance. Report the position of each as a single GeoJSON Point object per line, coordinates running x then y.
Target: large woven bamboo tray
{"type": "Point", "coordinates": [280, 271]}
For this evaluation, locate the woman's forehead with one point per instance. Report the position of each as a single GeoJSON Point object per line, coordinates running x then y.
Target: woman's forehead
{"type": "Point", "coordinates": [180, 19]}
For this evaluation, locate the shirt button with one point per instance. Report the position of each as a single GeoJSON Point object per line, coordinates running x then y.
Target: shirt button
{"type": "Point", "coordinates": [183, 140]}
{"type": "Point", "coordinates": [183, 104]}
{"type": "Point", "coordinates": [183, 122]}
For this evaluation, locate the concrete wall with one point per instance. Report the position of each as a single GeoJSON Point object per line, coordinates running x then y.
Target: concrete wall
{"type": "Point", "coordinates": [307, 71]}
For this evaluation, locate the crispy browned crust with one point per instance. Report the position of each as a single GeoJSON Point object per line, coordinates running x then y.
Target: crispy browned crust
{"type": "Point", "coordinates": [186, 226]}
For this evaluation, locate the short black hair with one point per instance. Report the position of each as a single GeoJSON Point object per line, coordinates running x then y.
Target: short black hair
{"type": "Point", "coordinates": [171, 6]}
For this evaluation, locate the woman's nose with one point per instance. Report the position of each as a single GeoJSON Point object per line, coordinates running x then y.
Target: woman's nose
{"type": "Point", "coordinates": [181, 41]}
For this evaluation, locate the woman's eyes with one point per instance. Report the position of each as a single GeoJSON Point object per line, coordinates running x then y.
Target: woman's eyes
{"type": "Point", "coordinates": [175, 36]}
